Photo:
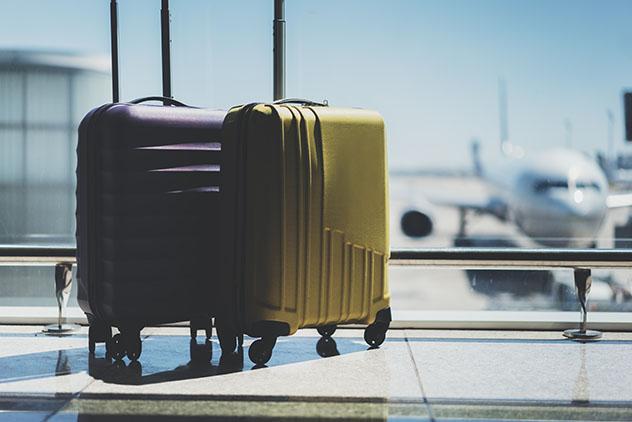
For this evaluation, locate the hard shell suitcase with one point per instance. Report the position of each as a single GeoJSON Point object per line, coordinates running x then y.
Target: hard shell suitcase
{"type": "Point", "coordinates": [304, 192]}
{"type": "Point", "coordinates": [146, 199]}
{"type": "Point", "coordinates": [147, 224]}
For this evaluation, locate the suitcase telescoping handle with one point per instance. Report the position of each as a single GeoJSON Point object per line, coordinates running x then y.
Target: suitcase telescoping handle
{"type": "Point", "coordinates": [278, 50]}
{"type": "Point", "coordinates": [301, 101]}
{"type": "Point", "coordinates": [114, 50]}
{"type": "Point", "coordinates": [166, 53]}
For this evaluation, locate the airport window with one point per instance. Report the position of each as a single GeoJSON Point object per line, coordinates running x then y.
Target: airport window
{"type": "Point", "coordinates": [478, 97]}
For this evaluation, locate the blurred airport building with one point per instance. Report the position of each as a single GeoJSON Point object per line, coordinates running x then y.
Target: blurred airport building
{"type": "Point", "coordinates": [43, 97]}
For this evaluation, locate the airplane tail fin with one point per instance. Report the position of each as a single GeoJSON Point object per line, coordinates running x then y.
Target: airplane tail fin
{"type": "Point", "coordinates": [476, 157]}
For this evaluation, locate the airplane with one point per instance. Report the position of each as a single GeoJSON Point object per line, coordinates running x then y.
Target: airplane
{"type": "Point", "coordinates": [557, 197]}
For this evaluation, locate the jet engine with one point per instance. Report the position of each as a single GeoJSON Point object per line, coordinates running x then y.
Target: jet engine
{"type": "Point", "coordinates": [416, 224]}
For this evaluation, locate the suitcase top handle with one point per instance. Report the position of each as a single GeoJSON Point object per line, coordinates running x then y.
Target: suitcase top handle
{"type": "Point", "coordinates": [165, 100]}
{"type": "Point", "coordinates": [301, 101]}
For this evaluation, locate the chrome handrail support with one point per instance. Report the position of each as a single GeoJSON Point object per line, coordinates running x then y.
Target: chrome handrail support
{"type": "Point", "coordinates": [583, 281]}
{"type": "Point", "coordinates": [63, 287]}
{"type": "Point", "coordinates": [63, 260]}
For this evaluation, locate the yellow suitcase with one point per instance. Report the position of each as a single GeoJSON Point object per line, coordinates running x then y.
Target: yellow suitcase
{"type": "Point", "coordinates": [305, 194]}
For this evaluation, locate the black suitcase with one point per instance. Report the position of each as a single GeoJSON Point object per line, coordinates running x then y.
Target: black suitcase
{"type": "Point", "coordinates": [147, 215]}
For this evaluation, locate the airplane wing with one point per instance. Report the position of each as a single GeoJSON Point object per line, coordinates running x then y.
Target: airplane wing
{"type": "Point", "coordinates": [473, 204]}
{"type": "Point", "coordinates": [619, 200]}
{"type": "Point", "coordinates": [484, 205]}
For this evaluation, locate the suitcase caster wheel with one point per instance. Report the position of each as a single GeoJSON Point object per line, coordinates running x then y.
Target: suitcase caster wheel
{"type": "Point", "coordinates": [119, 365]}
{"type": "Point", "coordinates": [134, 348]}
{"type": "Point", "coordinates": [375, 334]}
{"type": "Point", "coordinates": [326, 330]}
{"type": "Point", "coordinates": [326, 347]}
{"type": "Point", "coordinates": [260, 352]}
{"type": "Point", "coordinates": [116, 347]}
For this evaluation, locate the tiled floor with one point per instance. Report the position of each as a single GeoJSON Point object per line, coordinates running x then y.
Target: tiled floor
{"type": "Point", "coordinates": [415, 375]}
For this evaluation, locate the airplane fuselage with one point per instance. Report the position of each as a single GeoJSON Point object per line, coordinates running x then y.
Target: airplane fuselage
{"type": "Point", "coordinates": [556, 197]}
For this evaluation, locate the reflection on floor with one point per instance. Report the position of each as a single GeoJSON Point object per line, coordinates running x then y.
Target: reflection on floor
{"type": "Point", "coordinates": [415, 375]}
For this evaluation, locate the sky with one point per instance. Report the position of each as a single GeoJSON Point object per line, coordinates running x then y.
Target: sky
{"type": "Point", "coordinates": [431, 67]}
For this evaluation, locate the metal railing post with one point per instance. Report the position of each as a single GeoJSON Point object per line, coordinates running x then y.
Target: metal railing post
{"type": "Point", "coordinates": [63, 287]}
{"type": "Point", "coordinates": [583, 281]}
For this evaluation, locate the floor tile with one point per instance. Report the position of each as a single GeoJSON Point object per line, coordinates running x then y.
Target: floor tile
{"type": "Point", "coordinates": [36, 364]}
{"type": "Point", "coordinates": [295, 370]}
{"type": "Point", "coordinates": [464, 374]}
{"type": "Point", "coordinates": [22, 329]}
{"type": "Point", "coordinates": [16, 344]}
{"type": "Point", "coordinates": [481, 367]}
{"type": "Point", "coordinates": [506, 334]}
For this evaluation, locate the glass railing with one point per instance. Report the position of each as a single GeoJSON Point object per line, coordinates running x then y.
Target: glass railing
{"type": "Point", "coordinates": [495, 288]}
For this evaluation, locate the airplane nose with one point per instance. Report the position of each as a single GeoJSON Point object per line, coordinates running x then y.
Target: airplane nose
{"type": "Point", "coordinates": [578, 220]}
{"type": "Point", "coordinates": [582, 206]}
{"type": "Point", "coordinates": [561, 218]}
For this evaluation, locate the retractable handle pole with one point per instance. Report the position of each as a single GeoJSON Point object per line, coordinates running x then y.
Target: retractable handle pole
{"type": "Point", "coordinates": [165, 19]}
{"type": "Point", "coordinates": [166, 50]}
{"type": "Point", "coordinates": [114, 50]}
{"type": "Point", "coordinates": [279, 49]}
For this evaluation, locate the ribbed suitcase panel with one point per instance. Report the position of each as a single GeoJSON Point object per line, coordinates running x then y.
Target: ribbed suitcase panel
{"type": "Point", "coordinates": [353, 279]}
{"type": "Point", "coordinates": [357, 275]}
{"type": "Point", "coordinates": [147, 207]}
{"type": "Point", "coordinates": [148, 158]}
